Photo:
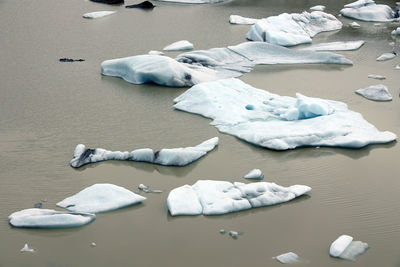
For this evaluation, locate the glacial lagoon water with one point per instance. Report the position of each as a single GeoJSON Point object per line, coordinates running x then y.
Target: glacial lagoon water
{"type": "Point", "coordinates": [48, 107]}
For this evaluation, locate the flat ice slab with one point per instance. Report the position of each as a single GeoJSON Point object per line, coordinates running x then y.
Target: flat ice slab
{"type": "Point", "coordinates": [100, 198]}
{"type": "Point", "coordinates": [386, 56]}
{"type": "Point", "coordinates": [207, 65]}
{"type": "Point", "coordinates": [219, 197]}
{"type": "Point", "coordinates": [368, 10]}
{"type": "Point", "coordinates": [355, 25]}
{"type": "Point", "coordinates": [97, 14]}
{"type": "Point", "coordinates": [167, 156]}
{"type": "Point", "coordinates": [377, 77]}
{"type": "Point", "coordinates": [46, 218]}
{"type": "Point", "coordinates": [279, 122]}
{"type": "Point", "coordinates": [377, 92]}
{"type": "Point", "coordinates": [293, 29]}
{"type": "Point", "coordinates": [179, 45]}
{"type": "Point", "coordinates": [236, 19]}
{"type": "Point", "coordinates": [289, 257]}
{"type": "Point", "coordinates": [254, 174]}
{"type": "Point", "coordinates": [344, 247]}
{"type": "Point", "coordinates": [318, 8]}
{"type": "Point", "coordinates": [336, 46]}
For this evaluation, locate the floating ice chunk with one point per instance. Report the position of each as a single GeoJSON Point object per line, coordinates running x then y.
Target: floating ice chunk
{"type": "Point", "coordinates": [236, 19]}
{"type": "Point", "coordinates": [234, 234]}
{"type": "Point", "coordinates": [93, 244]}
{"type": "Point", "coordinates": [378, 77]}
{"type": "Point", "coordinates": [254, 174]}
{"type": "Point", "coordinates": [207, 65]}
{"type": "Point", "coordinates": [26, 248]}
{"type": "Point", "coordinates": [386, 56]}
{"type": "Point", "coordinates": [318, 8]}
{"type": "Point", "coordinates": [146, 189]}
{"type": "Point", "coordinates": [289, 257]}
{"type": "Point", "coordinates": [336, 46]}
{"type": "Point", "coordinates": [155, 52]}
{"type": "Point", "coordinates": [344, 247]}
{"type": "Point", "coordinates": [292, 29]}
{"type": "Point", "coordinates": [367, 10]}
{"type": "Point", "coordinates": [219, 197]}
{"type": "Point", "coordinates": [222, 231]}
{"type": "Point", "coordinates": [279, 122]}
{"type": "Point", "coordinates": [45, 218]}
{"type": "Point", "coordinates": [166, 156]}
{"type": "Point", "coordinates": [355, 25]}
{"type": "Point", "coordinates": [396, 31]}
{"type": "Point", "coordinates": [375, 92]}
{"type": "Point", "coordinates": [397, 67]}
{"type": "Point", "coordinates": [97, 14]}
{"type": "Point", "coordinates": [179, 45]}
{"type": "Point", "coordinates": [100, 198]}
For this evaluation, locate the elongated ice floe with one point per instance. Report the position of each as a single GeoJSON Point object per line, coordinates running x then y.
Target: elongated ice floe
{"type": "Point", "coordinates": [378, 77]}
{"type": "Point", "coordinates": [167, 156]}
{"type": "Point", "coordinates": [46, 218]}
{"type": "Point", "coordinates": [377, 92]}
{"type": "Point", "coordinates": [279, 122]}
{"type": "Point", "coordinates": [100, 198]}
{"type": "Point", "coordinates": [97, 14]}
{"type": "Point", "coordinates": [336, 46]}
{"type": "Point", "coordinates": [207, 65]}
{"type": "Point", "coordinates": [318, 8]}
{"type": "Point", "coordinates": [236, 19]}
{"type": "Point", "coordinates": [179, 45]}
{"type": "Point", "coordinates": [219, 197]}
{"type": "Point", "coordinates": [368, 10]}
{"type": "Point", "coordinates": [344, 247]}
{"type": "Point", "coordinates": [386, 56]}
{"type": "Point", "coordinates": [293, 29]}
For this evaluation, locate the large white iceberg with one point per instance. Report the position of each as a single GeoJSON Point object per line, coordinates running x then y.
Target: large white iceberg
{"type": "Point", "coordinates": [279, 122]}
{"type": "Point", "coordinates": [207, 65]}
{"type": "Point", "coordinates": [293, 29]}
{"type": "Point", "coordinates": [97, 14]}
{"type": "Point", "coordinates": [336, 46]}
{"type": "Point", "coordinates": [368, 10]}
{"type": "Point", "coordinates": [219, 197]}
{"type": "Point", "coordinates": [166, 156]}
{"type": "Point", "coordinates": [344, 247]}
{"type": "Point", "coordinates": [377, 92]}
{"type": "Point", "coordinates": [100, 198]}
{"type": "Point", "coordinates": [46, 218]}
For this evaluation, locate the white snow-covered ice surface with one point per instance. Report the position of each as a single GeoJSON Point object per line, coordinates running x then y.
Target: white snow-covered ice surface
{"type": "Point", "coordinates": [279, 122]}
{"type": "Point", "coordinates": [377, 92]}
{"type": "Point", "coordinates": [167, 156]}
{"type": "Point", "coordinates": [211, 197]}
{"type": "Point", "coordinates": [368, 10]}
{"type": "Point", "coordinates": [179, 45]}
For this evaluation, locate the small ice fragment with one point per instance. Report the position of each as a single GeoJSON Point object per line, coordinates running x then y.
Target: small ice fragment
{"type": "Point", "coordinates": [179, 45]}
{"type": "Point", "coordinates": [235, 19]}
{"type": "Point", "coordinates": [396, 31]}
{"type": "Point", "coordinates": [97, 14]}
{"type": "Point", "coordinates": [378, 77]}
{"type": "Point", "coordinates": [386, 56]}
{"type": "Point", "coordinates": [222, 231]}
{"type": "Point", "coordinates": [93, 244]}
{"type": "Point", "coordinates": [155, 52]}
{"type": "Point", "coordinates": [377, 92]}
{"type": "Point", "coordinates": [355, 25]}
{"type": "Point", "coordinates": [397, 67]}
{"type": "Point", "coordinates": [234, 234]}
{"type": "Point", "coordinates": [146, 189]}
{"type": "Point", "coordinates": [345, 248]}
{"type": "Point", "coordinates": [254, 174]}
{"type": "Point", "coordinates": [339, 245]}
{"type": "Point", "coordinates": [26, 248]}
{"type": "Point", "coordinates": [317, 8]}
{"type": "Point", "coordinates": [289, 257]}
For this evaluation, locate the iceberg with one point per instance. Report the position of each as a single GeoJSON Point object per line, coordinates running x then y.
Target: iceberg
{"type": "Point", "coordinates": [318, 8]}
{"type": "Point", "coordinates": [208, 65]}
{"type": "Point", "coordinates": [378, 77]}
{"type": "Point", "coordinates": [100, 198]}
{"type": "Point", "coordinates": [355, 25]}
{"type": "Point", "coordinates": [254, 174]}
{"type": "Point", "coordinates": [375, 92]}
{"type": "Point", "coordinates": [26, 248]}
{"type": "Point", "coordinates": [155, 52]}
{"type": "Point", "coordinates": [336, 46]}
{"type": "Point", "coordinates": [46, 218]}
{"type": "Point", "coordinates": [219, 197]}
{"type": "Point", "coordinates": [179, 45]}
{"type": "Point", "coordinates": [344, 247]}
{"type": "Point", "coordinates": [97, 14]}
{"type": "Point", "coordinates": [236, 19]}
{"type": "Point", "coordinates": [279, 122]}
{"type": "Point", "coordinates": [166, 156]}
{"type": "Point", "coordinates": [396, 31]}
{"type": "Point", "coordinates": [386, 56]}
{"type": "Point", "coordinates": [368, 10]}
{"type": "Point", "coordinates": [289, 257]}
{"type": "Point", "coordinates": [293, 29]}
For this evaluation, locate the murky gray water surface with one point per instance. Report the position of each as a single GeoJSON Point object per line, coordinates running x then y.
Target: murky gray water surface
{"type": "Point", "coordinates": [48, 107]}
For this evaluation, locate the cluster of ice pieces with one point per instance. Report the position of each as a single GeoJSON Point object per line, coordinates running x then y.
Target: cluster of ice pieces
{"type": "Point", "coordinates": [207, 65]}
{"type": "Point", "coordinates": [219, 197]}
{"type": "Point", "coordinates": [336, 46]}
{"type": "Point", "coordinates": [293, 29]}
{"type": "Point", "coordinates": [166, 156]}
{"type": "Point", "coordinates": [344, 247]}
{"type": "Point", "coordinates": [100, 198]}
{"type": "Point", "coordinates": [368, 10]}
{"type": "Point", "coordinates": [98, 14]}
{"type": "Point", "coordinates": [279, 122]}
{"type": "Point", "coordinates": [254, 174]}
{"type": "Point", "coordinates": [179, 45]}
{"type": "Point", "coordinates": [377, 92]}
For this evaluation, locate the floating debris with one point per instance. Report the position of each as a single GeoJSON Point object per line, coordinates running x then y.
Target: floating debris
{"type": "Point", "coordinates": [26, 248]}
